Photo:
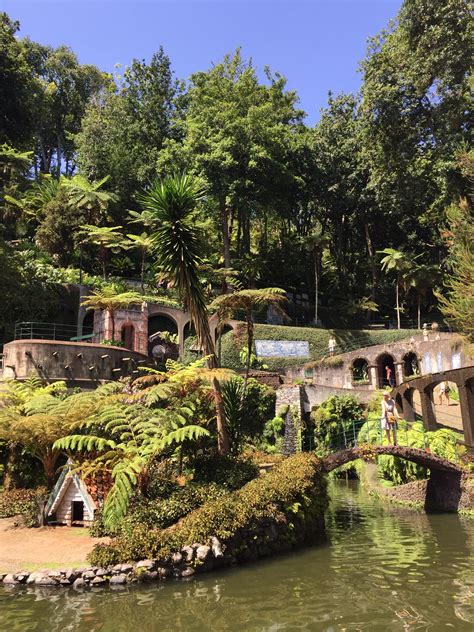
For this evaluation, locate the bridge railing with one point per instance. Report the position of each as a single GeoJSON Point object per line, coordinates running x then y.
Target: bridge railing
{"type": "Point", "coordinates": [363, 432]}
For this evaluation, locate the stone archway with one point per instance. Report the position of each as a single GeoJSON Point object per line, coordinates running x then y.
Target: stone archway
{"type": "Point", "coordinates": [360, 371]}
{"type": "Point", "coordinates": [383, 361]}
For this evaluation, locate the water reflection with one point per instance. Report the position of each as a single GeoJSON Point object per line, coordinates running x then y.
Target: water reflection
{"type": "Point", "coordinates": [382, 569]}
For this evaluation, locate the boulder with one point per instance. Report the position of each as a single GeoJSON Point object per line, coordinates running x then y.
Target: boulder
{"type": "Point", "coordinates": [148, 565]}
{"type": "Point", "coordinates": [32, 578]}
{"type": "Point", "coordinates": [9, 579]}
{"type": "Point", "coordinates": [187, 572]}
{"type": "Point", "coordinates": [98, 581]}
{"type": "Point", "coordinates": [216, 547]}
{"type": "Point", "coordinates": [100, 572]}
{"type": "Point", "coordinates": [164, 572]}
{"type": "Point", "coordinates": [118, 579]}
{"type": "Point", "coordinates": [88, 575]}
{"type": "Point", "coordinates": [188, 553]}
{"type": "Point", "coordinates": [177, 558]}
{"type": "Point", "coordinates": [46, 580]}
{"type": "Point", "coordinates": [79, 583]}
{"type": "Point", "coordinates": [203, 553]}
{"type": "Point", "coordinates": [126, 568]}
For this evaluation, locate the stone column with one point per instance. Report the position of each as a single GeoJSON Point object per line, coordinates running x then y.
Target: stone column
{"type": "Point", "coordinates": [466, 400]}
{"type": "Point", "coordinates": [399, 372]}
{"type": "Point", "coordinates": [373, 375]}
{"type": "Point", "coordinates": [427, 409]}
{"type": "Point", "coordinates": [408, 410]}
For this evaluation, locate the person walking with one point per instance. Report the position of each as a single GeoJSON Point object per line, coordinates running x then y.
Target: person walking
{"type": "Point", "coordinates": [389, 376]}
{"type": "Point", "coordinates": [444, 390]}
{"type": "Point", "coordinates": [389, 417]}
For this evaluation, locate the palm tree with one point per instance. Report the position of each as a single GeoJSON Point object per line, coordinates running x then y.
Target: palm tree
{"type": "Point", "coordinates": [87, 196]}
{"type": "Point", "coordinates": [422, 279]}
{"type": "Point", "coordinates": [110, 299]}
{"type": "Point", "coordinates": [145, 243]}
{"type": "Point", "coordinates": [247, 301]}
{"type": "Point", "coordinates": [106, 238]}
{"type": "Point", "coordinates": [172, 203]}
{"type": "Point", "coordinates": [396, 261]}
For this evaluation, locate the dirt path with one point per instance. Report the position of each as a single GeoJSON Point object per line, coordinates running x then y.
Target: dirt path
{"type": "Point", "coordinates": [447, 415]}
{"type": "Point", "coordinates": [44, 548]}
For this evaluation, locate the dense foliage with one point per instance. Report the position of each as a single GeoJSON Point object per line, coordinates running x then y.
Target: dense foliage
{"type": "Point", "coordinates": [337, 422]}
{"type": "Point", "coordinates": [22, 502]}
{"type": "Point", "coordinates": [307, 209]}
{"type": "Point", "coordinates": [292, 493]}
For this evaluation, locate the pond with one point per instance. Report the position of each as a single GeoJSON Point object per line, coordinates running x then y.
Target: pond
{"type": "Point", "coordinates": [381, 569]}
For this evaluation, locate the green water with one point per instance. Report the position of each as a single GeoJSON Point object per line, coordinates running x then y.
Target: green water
{"type": "Point", "coordinates": [382, 569]}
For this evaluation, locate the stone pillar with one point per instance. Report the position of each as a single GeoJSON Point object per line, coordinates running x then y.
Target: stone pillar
{"type": "Point", "coordinates": [373, 375]}
{"type": "Point", "coordinates": [399, 372]}
{"type": "Point", "coordinates": [427, 409]}
{"type": "Point", "coordinates": [407, 405]}
{"type": "Point", "coordinates": [466, 400]}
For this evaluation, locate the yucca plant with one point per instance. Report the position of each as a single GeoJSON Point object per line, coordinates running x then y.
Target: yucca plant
{"type": "Point", "coordinates": [172, 206]}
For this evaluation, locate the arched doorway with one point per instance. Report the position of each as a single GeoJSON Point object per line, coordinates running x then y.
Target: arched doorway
{"type": "Point", "coordinates": [162, 338]}
{"type": "Point", "coordinates": [411, 365]}
{"type": "Point", "coordinates": [88, 323]}
{"type": "Point", "coordinates": [360, 371]}
{"type": "Point", "coordinates": [386, 371]}
{"type": "Point", "coordinates": [128, 336]}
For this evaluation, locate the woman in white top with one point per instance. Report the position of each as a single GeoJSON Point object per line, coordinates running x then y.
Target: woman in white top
{"type": "Point", "coordinates": [389, 417]}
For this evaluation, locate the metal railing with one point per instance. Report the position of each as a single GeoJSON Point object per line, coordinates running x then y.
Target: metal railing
{"type": "Point", "coordinates": [49, 331]}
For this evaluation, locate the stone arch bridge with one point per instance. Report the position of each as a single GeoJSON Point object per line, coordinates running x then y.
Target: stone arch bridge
{"type": "Point", "coordinates": [446, 482]}
{"type": "Point", "coordinates": [425, 385]}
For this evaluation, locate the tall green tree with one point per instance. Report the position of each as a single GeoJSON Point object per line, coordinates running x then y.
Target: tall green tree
{"type": "Point", "coordinates": [173, 203]}
{"type": "Point", "coordinates": [396, 261]}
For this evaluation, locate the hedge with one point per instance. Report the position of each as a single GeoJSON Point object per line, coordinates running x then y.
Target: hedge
{"type": "Point", "coordinates": [347, 340]}
{"type": "Point", "coordinates": [275, 512]}
{"type": "Point", "coordinates": [22, 502]}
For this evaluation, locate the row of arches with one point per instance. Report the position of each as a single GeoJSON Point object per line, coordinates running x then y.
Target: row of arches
{"type": "Point", "coordinates": [386, 374]}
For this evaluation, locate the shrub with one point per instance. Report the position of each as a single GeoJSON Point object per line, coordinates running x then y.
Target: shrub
{"type": "Point", "coordinates": [22, 502]}
{"type": "Point", "coordinates": [291, 499]}
{"type": "Point", "coordinates": [225, 471]}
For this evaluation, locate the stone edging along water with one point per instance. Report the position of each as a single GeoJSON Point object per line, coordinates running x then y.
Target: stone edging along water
{"type": "Point", "coordinates": [191, 559]}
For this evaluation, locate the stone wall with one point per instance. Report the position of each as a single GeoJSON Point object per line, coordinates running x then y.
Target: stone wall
{"type": "Point", "coordinates": [77, 363]}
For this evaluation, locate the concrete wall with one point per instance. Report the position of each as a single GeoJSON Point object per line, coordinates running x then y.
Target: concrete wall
{"type": "Point", "coordinates": [77, 363]}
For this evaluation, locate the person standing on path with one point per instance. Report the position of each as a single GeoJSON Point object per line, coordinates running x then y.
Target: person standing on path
{"type": "Point", "coordinates": [444, 390]}
{"type": "Point", "coordinates": [389, 376]}
{"type": "Point", "coordinates": [331, 345]}
{"type": "Point", "coordinates": [388, 419]}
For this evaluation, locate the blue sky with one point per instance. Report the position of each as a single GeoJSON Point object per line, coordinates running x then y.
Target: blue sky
{"type": "Point", "coordinates": [316, 44]}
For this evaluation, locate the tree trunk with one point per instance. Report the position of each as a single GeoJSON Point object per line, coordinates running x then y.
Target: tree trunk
{"type": "Point", "coordinates": [225, 233]}
{"type": "Point", "coordinates": [249, 322]}
{"type": "Point", "coordinates": [398, 304]}
{"type": "Point", "coordinates": [316, 289]}
{"type": "Point", "coordinates": [142, 273]}
{"type": "Point", "coordinates": [223, 445]}
{"type": "Point", "coordinates": [49, 465]}
{"type": "Point", "coordinates": [373, 265]}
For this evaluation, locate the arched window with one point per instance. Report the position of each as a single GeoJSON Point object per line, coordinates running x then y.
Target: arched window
{"type": "Point", "coordinates": [360, 371]}
{"type": "Point", "coordinates": [410, 364]}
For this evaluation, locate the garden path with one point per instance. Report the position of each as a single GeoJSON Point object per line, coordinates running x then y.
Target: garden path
{"type": "Point", "coordinates": [43, 548]}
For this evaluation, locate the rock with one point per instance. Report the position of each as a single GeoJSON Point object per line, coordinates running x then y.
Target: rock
{"type": "Point", "coordinates": [177, 558]}
{"type": "Point", "coordinates": [72, 575]}
{"type": "Point", "coordinates": [188, 553]}
{"type": "Point", "coordinates": [45, 580]}
{"type": "Point", "coordinates": [216, 547]}
{"type": "Point", "coordinates": [126, 568]}
{"type": "Point", "coordinates": [32, 578]}
{"type": "Point", "coordinates": [65, 582]}
{"type": "Point", "coordinates": [117, 569]}
{"type": "Point", "coordinates": [9, 579]}
{"type": "Point", "coordinates": [79, 583]}
{"type": "Point", "coordinates": [98, 581]}
{"type": "Point", "coordinates": [21, 577]}
{"type": "Point", "coordinates": [187, 572]}
{"type": "Point", "coordinates": [203, 553]}
{"type": "Point", "coordinates": [100, 572]}
{"type": "Point", "coordinates": [55, 574]}
{"type": "Point", "coordinates": [88, 575]}
{"type": "Point", "coordinates": [118, 579]}
{"type": "Point", "coordinates": [148, 565]}
{"type": "Point", "coordinates": [164, 572]}
{"type": "Point", "coordinates": [177, 572]}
